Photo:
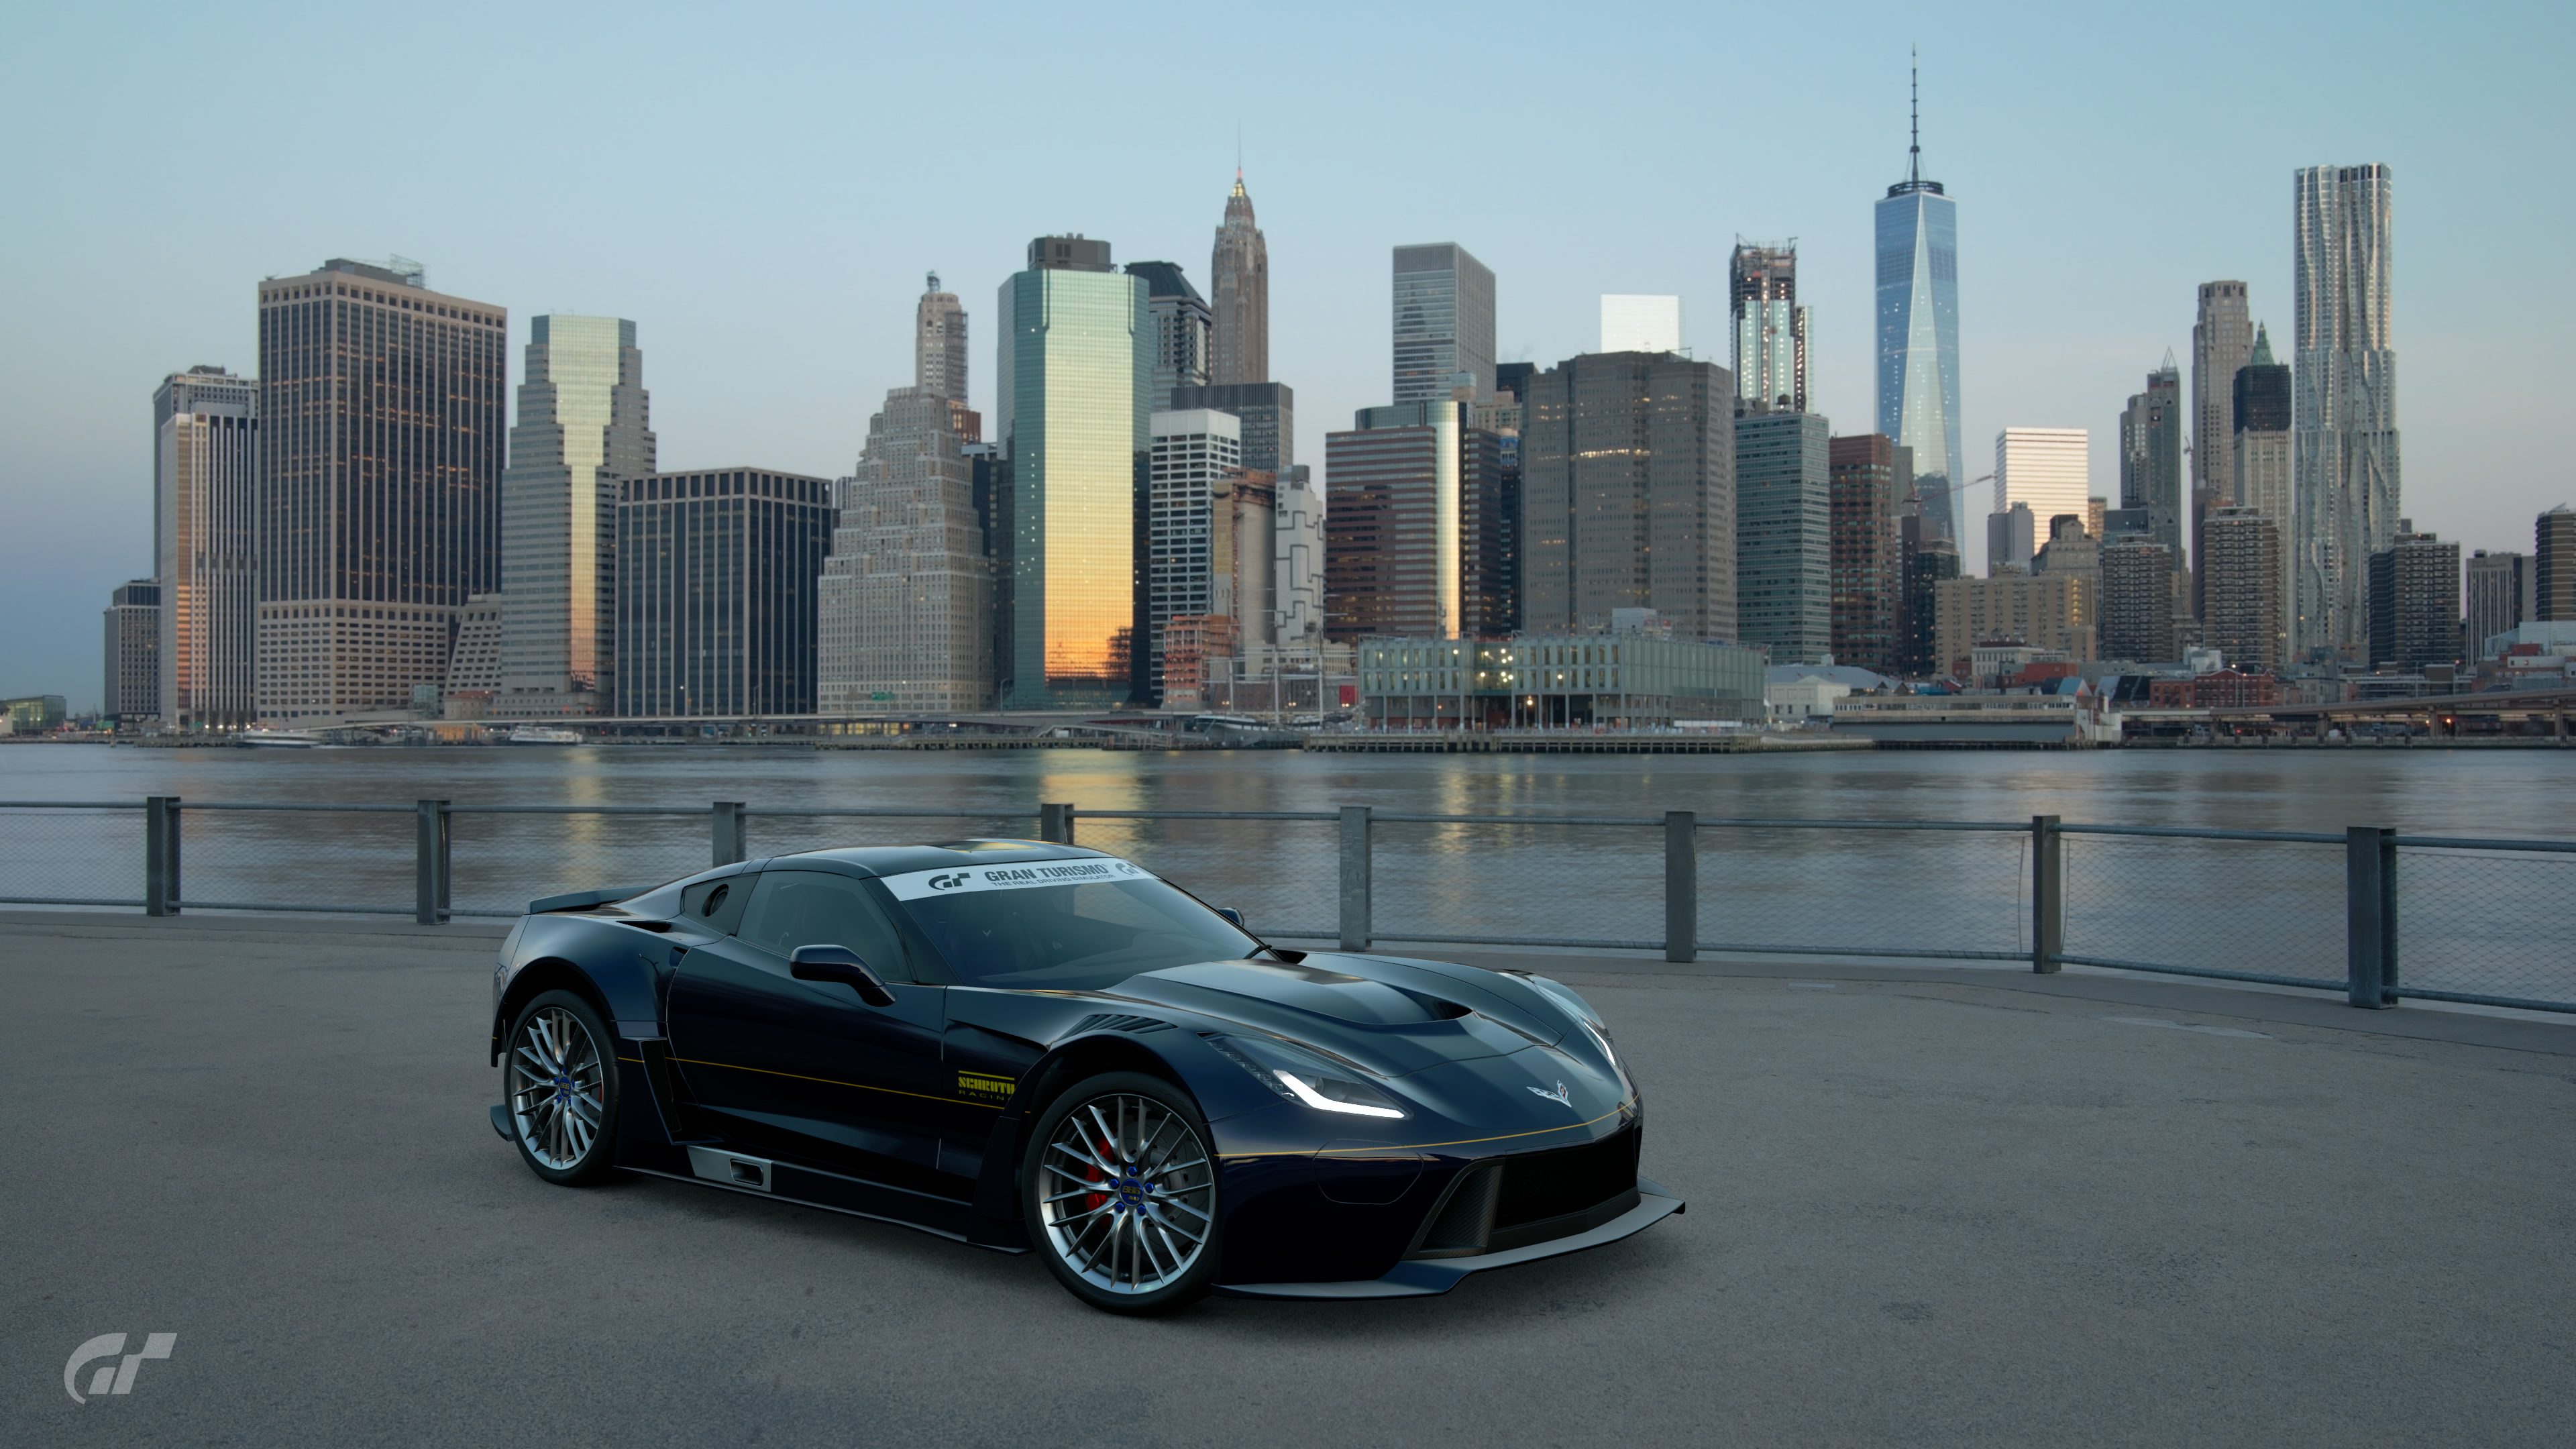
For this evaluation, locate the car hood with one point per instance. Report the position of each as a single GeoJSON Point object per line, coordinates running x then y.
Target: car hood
{"type": "Point", "coordinates": [1394, 1017]}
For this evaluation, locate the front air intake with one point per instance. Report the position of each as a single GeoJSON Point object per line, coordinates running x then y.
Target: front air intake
{"type": "Point", "coordinates": [1466, 1218]}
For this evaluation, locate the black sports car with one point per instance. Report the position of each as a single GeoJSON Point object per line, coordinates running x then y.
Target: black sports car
{"type": "Point", "coordinates": [1025, 1045]}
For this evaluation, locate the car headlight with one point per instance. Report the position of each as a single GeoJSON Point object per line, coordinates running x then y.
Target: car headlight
{"type": "Point", "coordinates": [1305, 1083]}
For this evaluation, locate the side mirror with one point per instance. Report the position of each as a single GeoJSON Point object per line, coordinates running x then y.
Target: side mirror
{"type": "Point", "coordinates": [1233, 915]}
{"type": "Point", "coordinates": [841, 964]}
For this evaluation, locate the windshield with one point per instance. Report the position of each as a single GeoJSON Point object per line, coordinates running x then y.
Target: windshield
{"type": "Point", "coordinates": [998, 931]}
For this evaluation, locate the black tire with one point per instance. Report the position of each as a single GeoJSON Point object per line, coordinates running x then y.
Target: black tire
{"type": "Point", "coordinates": [1154, 1203]}
{"type": "Point", "coordinates": [554, 1133]}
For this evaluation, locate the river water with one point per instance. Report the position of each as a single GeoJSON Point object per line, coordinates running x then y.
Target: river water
{"type": "Point", "coordinates": [2273, 908]}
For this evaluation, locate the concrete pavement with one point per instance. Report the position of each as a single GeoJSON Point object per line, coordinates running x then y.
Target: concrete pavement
{"type": "Point", "coordinates": [1927, 1206]}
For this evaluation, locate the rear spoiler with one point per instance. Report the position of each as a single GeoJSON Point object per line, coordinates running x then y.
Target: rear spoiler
{"type": "Point", "coordinates": [582, 900]}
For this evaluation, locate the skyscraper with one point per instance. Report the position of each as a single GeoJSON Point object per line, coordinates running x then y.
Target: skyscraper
{"type": "Point", "coordinates": [1193, 454]}
{"type": "Point", "coordinates": [905, 604]}
{"type": "Point", "coordinates": [716, 592]}
{"type": "Point", "coordinates": [1182, 325]}
{"type": "Point", "coordinates": [1628, 494]}
{"type": "Point", "coordinates": [2048, 468]}
{"type": "Point", "coordinates": [1411, 540]}
{"type": "Point", "coordinates": [133, 653]}
{"type": "Point", "coordinates": [939, 343]}
{"type": "Point", "coordinates": [205, 535]}
{"type": "Point", "coordinates": [1868, 481]}
{"type": "Point", "coordinates": [1783, 544]}
{"type": "Point", "coordinates": [2151, 457]}
{"type": "Point", "coordinates": [1239, 292]}
{"type": "Point", "coordinates": [2500, 595]}
{"type": "Point", "coordinates": [2138, 600]}
{"type": "Point", "coordinates": [2259, 468]}
{"type": "Point", "coordinates": [380, 483]}
{"type": "Point", "coordinates": [1268, 411]}
{"type": "Point", "coordinates": [585, 421]}
{"type": "Point", "coordinates": [1444, 322]}
{"type": "Point", "coordinates": [1075, 391]}
{"type": "Point", "coordinates": [1771, 329]}
{"type": "Point", "coordinates": [2345, 413]}
{"type": "Point", "coordinates": [2414, 601]}
{"type": "Point", "coordinates": [1297, 559]}
{"type": "Point", "coordinates": [1918, 332]}
{"type": "Point", "coordinates": [2240, 578]}
{"type": "Point", "coordinates": [1632, 322]}
{"type": "Point", "coordinates": [2553, 566]}
{"type": "Point", "coordinates": [2012, 537]}
{"type": "Point", "coordinates": [2222, 340]}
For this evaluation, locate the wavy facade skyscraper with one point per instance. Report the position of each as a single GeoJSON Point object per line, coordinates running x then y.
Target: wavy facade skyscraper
{"type": "Point", "coordinates": [2344, 409]}
{"type": "Point", "coordinates": [1918, 333]}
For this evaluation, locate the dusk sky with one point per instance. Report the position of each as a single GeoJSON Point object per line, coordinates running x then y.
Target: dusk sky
{"type": "Point", "coordinates": [762, 188]}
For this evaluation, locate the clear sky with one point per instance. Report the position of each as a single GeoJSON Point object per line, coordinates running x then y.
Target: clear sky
{"type": "Point", "coordinates": [762, 187]}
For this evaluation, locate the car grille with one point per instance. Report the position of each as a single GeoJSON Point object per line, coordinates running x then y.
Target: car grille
{"type": "Point", "coordinates": [1534, 1197]}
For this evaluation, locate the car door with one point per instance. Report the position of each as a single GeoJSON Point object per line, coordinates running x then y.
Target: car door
{"type": "Point", "coordinates": [805, 1069]}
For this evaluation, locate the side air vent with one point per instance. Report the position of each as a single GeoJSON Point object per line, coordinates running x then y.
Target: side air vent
{"type": "Point", "coordinates": [1466, 1219]}
{"type": "Point", "coordinates": [1109, 1021]}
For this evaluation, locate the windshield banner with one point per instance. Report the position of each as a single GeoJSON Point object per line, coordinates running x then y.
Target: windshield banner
{"type": "Point", "coordinates": [920, 884]}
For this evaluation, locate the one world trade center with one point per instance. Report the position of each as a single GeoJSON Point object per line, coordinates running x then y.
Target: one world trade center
{"type": "Point", "coordinates": [1918, 333]}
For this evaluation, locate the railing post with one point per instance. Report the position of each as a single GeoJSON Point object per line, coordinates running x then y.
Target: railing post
{"type": "Point", "coordinates": [2388, 918]}
{"type": "Point", "coordinates": [1355, 878]}
{"type": "Point", "coordinates": [1681, 885]}
{"type": "Point", "coordinates": [2369, 908]}
{"type": "Point", "coordinates": [2047, 894]}
{"type": "Point", "coordinates": [728, 841]}
{"type": "Point", "coordinates": [429, 863]}
{"type": "Point", "coordinates": [1055, 822]}
{"type": "Point", "coordinates": [160, 855]}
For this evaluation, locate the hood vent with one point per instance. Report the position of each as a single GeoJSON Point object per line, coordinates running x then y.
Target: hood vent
{"type": "Point", "coordinates": [1107, 1021]}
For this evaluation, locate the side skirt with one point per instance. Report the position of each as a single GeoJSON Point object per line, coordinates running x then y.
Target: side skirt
{"type": "Point", "coordinates": [850, 1196]}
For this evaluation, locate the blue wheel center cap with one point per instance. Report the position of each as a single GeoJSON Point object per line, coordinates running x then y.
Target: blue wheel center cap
{"type": "Point", "coordinates": [1131, 1192]}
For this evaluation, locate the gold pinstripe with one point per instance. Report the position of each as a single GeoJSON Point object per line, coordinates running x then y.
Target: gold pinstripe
{"type": "Point", "coordinates": [829, 1082]}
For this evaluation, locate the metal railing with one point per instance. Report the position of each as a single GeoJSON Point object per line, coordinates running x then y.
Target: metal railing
{"type": "Point", "coordinates": [2283, 908]}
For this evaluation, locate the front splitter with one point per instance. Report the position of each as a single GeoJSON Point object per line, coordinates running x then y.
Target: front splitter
{"type": "Point", "coordinates": [1421, 1277]}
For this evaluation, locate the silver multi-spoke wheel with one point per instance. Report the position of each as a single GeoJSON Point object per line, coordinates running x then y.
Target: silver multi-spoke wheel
{"type": "Point", "coordinates": [1128, 1194]}
{"type": "Point", "coordinates": [556, 1088]}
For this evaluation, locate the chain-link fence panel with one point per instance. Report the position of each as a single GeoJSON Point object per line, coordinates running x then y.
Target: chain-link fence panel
{"type": "Point", "coordinates": [1939, 893]}
{"type": "Point", "coordinates": [2488, 924]}
{"type": "Point", "coordinates": [77, 855]}
{"type": "Point", "coordinates": [1518, 882]}
{"type": "Point", "coordinates": [1282, 873]}
{"type": "Point", "coordinates": [501, 859]}
{"type": "Point", "coordinates": [2256, 910]}
{"type": "Point", "coordinates": [336, 860]}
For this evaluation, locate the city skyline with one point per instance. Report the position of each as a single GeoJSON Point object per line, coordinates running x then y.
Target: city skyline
{"type": "Point", "coordinates": [2045, 340]}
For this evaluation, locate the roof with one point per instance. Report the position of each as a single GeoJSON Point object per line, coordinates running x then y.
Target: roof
{"type": "Point", "coordinates": [1848, 674]}
{"type": "Point", "coordinates": [904, 859]}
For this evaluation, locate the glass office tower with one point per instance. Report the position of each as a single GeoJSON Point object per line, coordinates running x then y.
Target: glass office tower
{"type": "Point", "coordinates": [584, 422]}
{"type": "Point", "coordinates": [1444, 322]}
{"type": "Point", "coordinates": [1918, 334]}
{"type": "Point", "coordinates": [1076, 381]}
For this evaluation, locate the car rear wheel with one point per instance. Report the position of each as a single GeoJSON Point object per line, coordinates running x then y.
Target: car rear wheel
{"type": "Point", "coordinates": [560, 1089]}
{"type": "Point", "coordinates": [1119, 1188]}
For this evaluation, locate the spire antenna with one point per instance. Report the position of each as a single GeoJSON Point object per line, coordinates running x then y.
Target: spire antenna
{"type": "Point", "coordinates": [1914, 123]}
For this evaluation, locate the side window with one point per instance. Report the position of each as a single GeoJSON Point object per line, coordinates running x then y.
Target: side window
{"type": "Point", "coordinates": [716, 904]}
{"type": "Point", "coordinates": [792, 908]}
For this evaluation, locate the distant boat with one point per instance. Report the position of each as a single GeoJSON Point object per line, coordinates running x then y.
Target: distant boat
{"type": "Point", "coordinates": [543, 735]}
{"type": "Point", "coordinates": [278, 739]}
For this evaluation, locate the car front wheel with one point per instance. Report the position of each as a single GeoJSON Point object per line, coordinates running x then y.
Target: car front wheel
{"type": "Point", "coordinates": [560, 1089]}
{"type": "Point", "coordinates": [1119, 1189]}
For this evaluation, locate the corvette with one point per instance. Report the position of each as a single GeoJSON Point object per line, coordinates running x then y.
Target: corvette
{"type": "Point", "coordinates": [1026, 1046]}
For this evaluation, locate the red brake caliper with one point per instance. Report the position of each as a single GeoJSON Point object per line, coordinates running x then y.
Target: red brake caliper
{"type": "Point", "coordinates": [1094, 1202]}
